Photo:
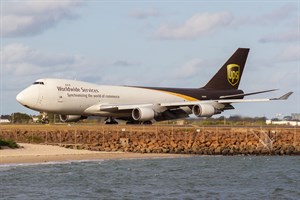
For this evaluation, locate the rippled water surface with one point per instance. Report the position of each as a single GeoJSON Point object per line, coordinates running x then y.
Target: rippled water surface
{"type": "Point", "coordinates": [198, 177]}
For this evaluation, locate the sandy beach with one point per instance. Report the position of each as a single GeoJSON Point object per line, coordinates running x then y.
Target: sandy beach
{"type": "Point", "coordinates": [35, 153]}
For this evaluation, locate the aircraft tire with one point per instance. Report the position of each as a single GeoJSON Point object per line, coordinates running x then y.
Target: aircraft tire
{"type": "Point", "coordinates": [147, 123]}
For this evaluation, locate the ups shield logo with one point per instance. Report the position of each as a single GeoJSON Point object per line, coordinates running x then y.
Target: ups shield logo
{"type": "Point", "coordinates": [233, 74]}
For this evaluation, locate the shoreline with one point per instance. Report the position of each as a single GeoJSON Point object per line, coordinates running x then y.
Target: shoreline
{"type": "Point", "coordinates": [36, 153]}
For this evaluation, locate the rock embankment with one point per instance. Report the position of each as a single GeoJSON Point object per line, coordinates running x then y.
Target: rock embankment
{"type": "Point", "coordinates": [163, 139]}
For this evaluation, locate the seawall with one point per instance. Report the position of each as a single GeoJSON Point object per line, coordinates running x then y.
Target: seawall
{"type": "Point", "coordinates": [266, 140]}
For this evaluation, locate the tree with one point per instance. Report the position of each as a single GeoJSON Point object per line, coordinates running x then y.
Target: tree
{"type": "Point", "coordinates": [6, 117]}
{"type": "Point", "coordinates": [20, 118]}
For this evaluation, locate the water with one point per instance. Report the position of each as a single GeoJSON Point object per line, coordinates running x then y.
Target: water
{"type": "Point", "coordinates": [198, 177]}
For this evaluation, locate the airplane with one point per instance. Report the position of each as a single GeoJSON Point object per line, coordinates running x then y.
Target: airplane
{"type": "Point", "coordinates": [75, 100]}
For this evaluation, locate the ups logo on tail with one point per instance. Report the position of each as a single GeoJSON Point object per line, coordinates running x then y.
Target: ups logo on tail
{"type": "Point", "coordinates": [233, 74]}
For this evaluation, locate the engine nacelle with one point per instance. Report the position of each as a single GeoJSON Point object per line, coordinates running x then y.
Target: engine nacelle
{"type": "Point", "coordinates": [143, 114]}
{"type": "Point", "coordinates": [203, 110]}
{"type": "Point", "coordinates": [71, 118]}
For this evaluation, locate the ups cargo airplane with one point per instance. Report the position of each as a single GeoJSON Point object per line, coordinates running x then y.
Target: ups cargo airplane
{"type": "Point", "coordinates": [75, 100]}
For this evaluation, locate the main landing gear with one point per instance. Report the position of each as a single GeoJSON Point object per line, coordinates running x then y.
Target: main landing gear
{"type": "Point", "coordinates": [111, 120]}
{"type": "Point", "coordinates": [137, 122]}
{"type": "Point", "coordinates": [147, 123]}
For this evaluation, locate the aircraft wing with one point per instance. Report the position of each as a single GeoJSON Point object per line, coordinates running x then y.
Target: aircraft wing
{"type": "Point", "coordinates": [218, 103]}
{"type": "Point", "coordinates": [226, 101]}
{"type": "Point", "coordinates": [283, 97]}
{"type": "Point", "coordinates": [245, 94]}
{"type": "Point", "coordinates": [114, 107]}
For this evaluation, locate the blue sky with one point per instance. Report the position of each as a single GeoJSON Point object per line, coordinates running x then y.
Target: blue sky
{"type": "Point", "coordinates": [151, 43]}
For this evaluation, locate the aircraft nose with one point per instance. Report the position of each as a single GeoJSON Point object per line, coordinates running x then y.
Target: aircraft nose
{"type": "Point", "coordinates": [20, 97]}
{"type": "Point", "coordinates": [28, 97]}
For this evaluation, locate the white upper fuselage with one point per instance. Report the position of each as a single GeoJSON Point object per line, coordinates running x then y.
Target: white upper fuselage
{"type": "Point", "coordinates": [72, 97]}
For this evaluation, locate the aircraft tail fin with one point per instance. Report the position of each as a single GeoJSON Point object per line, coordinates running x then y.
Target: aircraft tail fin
{"type": "Point", "coordinates": [230, 74]}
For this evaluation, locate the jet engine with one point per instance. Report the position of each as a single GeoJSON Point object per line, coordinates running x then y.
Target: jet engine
{"type": "Point", "coordinates": [143, 114]}
{"type": "Point", "coordinates": [204, 110]}
{"type": "Point", "coordinates": [71, 118]}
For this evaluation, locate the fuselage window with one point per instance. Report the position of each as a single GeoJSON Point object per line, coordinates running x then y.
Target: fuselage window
{"type": "Point", "coordinates": [38, 83]}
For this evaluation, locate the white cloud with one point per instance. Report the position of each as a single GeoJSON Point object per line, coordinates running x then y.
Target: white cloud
{"type": "Point", "coordinates": [23, 63]}
{"type": "Point", "coordinates": [124, 63]}
{"type": "Point", "coordinates": [26, 64]}
{"type": "Point", "coordinates": [27, 18]}
{"type": "Point", "coordinates": [16, 53]}
{"type": "Point", "coordinates": [291, 53]}
{"type": "Point", "coordinates": [283, 12]}
{"type": "Point", "coordinates": [201, 24]}
{"type": "Point", "coordinates": [274, 17]}
{"type": "Point", "coordinates": [288, 36]}
{"type": "Point", "coordinates": [188, 70]}
{"type": "Point", "coordinates": [144, 14]}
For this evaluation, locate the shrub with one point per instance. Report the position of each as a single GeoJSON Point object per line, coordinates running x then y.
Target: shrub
{"type": "Point", "coordinates": [9, 143]}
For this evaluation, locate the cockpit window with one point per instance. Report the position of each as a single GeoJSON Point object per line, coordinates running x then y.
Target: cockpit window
{"type": "Point", "coordinates": [38, 83]}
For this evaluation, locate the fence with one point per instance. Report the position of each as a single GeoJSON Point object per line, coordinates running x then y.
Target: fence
{"type": "Point", "coordinates": [174, 139]}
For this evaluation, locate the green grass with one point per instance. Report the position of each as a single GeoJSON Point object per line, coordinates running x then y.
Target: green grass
{"type": "Point", "coordinates": [8, 143]}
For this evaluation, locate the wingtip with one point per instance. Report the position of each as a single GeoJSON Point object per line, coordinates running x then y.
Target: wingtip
{"type": "Point", "coordinates": [284, 97]}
